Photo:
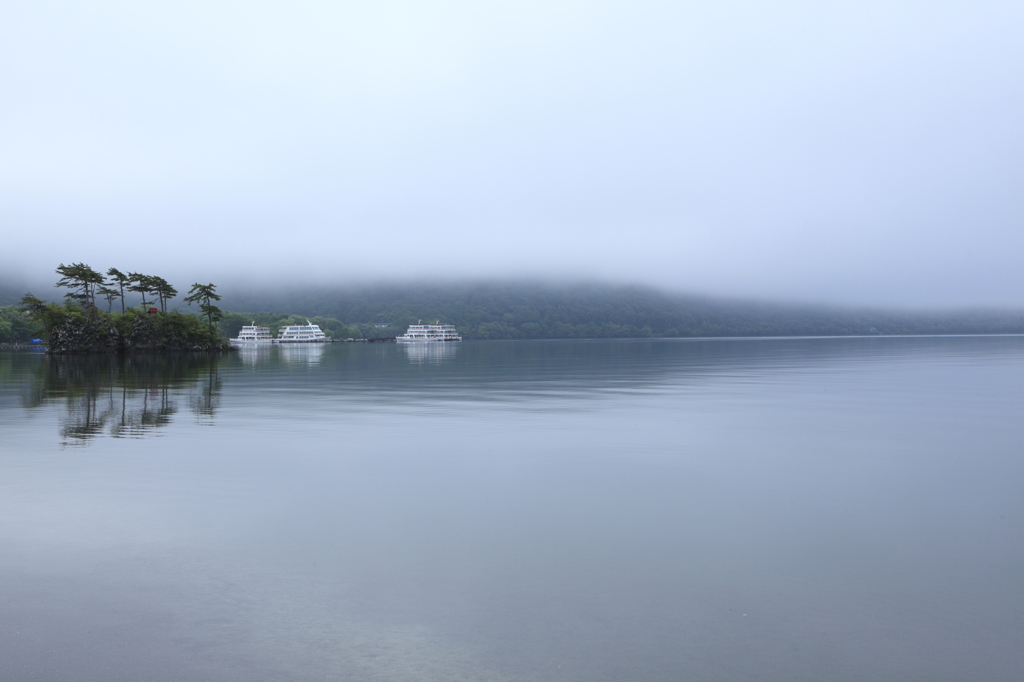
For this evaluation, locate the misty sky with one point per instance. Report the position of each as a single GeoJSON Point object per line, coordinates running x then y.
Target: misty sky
{"type": "Point", "coordinates": [852, 152]}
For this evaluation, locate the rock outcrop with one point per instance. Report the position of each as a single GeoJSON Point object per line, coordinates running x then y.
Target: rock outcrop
{"type": "Point", "coordinates": [132, 333]}
{"type": "Point", "coordinates": [81, 335]}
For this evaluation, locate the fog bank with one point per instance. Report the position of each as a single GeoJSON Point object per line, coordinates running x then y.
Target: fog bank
{"type": "Point", "coordinates": [856, 153]}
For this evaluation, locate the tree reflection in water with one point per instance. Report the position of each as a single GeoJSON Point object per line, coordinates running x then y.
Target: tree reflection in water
{"type": "Point", "coordinates": [126, 396]}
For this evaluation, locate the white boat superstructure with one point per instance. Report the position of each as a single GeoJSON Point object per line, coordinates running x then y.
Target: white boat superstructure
{"type": "Point", "coordinates": [253, 333]}
{"type": "Point", "coordinates": [422, 333]}
{"type": "Point", "coordinates": [301, 333]}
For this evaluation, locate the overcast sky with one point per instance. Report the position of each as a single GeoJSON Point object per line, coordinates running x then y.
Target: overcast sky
{"type": "Point", "coordinates": [859, 152]}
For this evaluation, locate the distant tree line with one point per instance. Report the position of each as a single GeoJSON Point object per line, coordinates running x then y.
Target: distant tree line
{"type": "Point", "coordinates": [520, 311]}
{"type": "Point", "coordinates": [539, 311]}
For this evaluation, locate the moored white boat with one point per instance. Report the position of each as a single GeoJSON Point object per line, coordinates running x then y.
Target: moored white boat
{"type": "Point", "coordinates": [301, 333]}
{"type": "Point", "coordinates": [252, 333]}
{"type": "Point", "coordinates": [427, 333]}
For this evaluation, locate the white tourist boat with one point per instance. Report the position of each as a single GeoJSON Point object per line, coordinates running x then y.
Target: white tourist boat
{"type": "Point", "coordinates": [301, 333]}
{"type": "Point", "coordinates": [424, 333]}
{"type": "Point", "coordinates": [252, 333]}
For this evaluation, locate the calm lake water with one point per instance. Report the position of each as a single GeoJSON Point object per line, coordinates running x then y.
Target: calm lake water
{"type": "Point", "coordinates": [812, 509]}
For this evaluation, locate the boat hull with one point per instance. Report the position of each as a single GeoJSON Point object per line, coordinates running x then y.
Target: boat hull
{"type": "Point", "coordinates": [250, 342]}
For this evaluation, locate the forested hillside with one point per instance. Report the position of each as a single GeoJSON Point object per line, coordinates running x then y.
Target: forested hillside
{"type": "Point", "coordinates": [523, 310]}
{"type": "Point", "coordinates": [537, 311]}
{"type": "Point", "coordinates": [11, 293]}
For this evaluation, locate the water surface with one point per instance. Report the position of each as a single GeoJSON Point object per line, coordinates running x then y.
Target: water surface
{"type": "Point", "coordinates": [785, 509]}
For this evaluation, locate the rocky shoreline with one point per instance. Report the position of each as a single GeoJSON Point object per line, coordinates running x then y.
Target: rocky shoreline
{"type": "Point", "coordinates": [142, 333]}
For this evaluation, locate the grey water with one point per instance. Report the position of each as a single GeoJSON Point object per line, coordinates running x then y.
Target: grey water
{"type": "Point", "coordinates": [761, 509]}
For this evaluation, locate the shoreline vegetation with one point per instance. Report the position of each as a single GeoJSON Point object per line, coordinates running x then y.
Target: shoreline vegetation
{"type": "Point", "coordinates": [80, 326]}
{"type": "Point", "coordinates": [479, 311]}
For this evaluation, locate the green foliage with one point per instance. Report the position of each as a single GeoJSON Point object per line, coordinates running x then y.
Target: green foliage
{"type": "Point", "coordinates": [85, 283]}
{"type": "Point", "coordinates": [120, 280]}
{"type": "Point", "coordinates": [109, 294]}
{"type": "Point", "coordinates": [163, 331]}
{"type": "Point", "coordinates": [204, 295]}
{"type": "Point", "coordinates": [42, 316]}
{"type": "Point", "coordinates": [163, 291]}
{"type": "Point", "coordinates": [82, 282]}
{"type": "Point", "coordinates": [140, 284]}
{"type": "Point", "coordinates": [16, 326]}
{"type": "Point", "coordinates": [78, 326]}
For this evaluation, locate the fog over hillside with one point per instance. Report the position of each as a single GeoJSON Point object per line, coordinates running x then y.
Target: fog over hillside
{"type": "Point", "coordinates": [854, 153]}
{"type": "Point", "coordinates": [519, 309]}
{"type": "Point", "coordinates": [515, 309]}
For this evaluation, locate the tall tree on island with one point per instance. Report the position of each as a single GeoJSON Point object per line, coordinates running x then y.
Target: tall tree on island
{"type": "Point", "coordinates": [82, 281]}
{"type": "Point", "coordinates": [120, 280]}
{"type": "Point", "coordinates": [110, 294]}
{"type": "Point", "coordinates": [141, 284]}
{"type": "Point", "coordinates": [203, 294]}
{"type": "Point", "coordinates": [33, 306]}
{"type": "Point", "coordinates": [164, 291]}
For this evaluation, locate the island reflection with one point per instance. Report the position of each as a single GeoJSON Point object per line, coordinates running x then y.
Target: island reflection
{"type": "Point", "coordinates": [124, 396]}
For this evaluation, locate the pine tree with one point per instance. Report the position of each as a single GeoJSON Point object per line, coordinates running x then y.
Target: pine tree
{"type": "Point", "coordinates": [164, 291]}
{"type": "Point", "coordinates": [141, 284]}
{"type": "Point", "coordinates": [203, 294]}
{"type": "Point", "coordinates": [82, 281]}
{"type": "Point", "coordinates": [109, 294]}
{"type": "Point", "coordinates": [120, 280]}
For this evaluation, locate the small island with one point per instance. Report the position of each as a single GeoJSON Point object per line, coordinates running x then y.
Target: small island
{"type": "Point", "coordinates": [80, 326]}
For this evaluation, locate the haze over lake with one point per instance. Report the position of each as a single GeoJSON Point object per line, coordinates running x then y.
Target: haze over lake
{"type": "Point", "coordinates": [784, 509]}
{"type": "Point", "coordinates": [855, 153]}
